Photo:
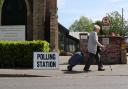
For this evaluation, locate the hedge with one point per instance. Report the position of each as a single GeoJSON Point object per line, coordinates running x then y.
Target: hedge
{"type": "Point", "coordinates": [19, 54]}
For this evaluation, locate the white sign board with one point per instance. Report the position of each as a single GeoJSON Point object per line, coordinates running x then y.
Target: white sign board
{"type": "Point", "coordinates": [105, 41]}
{"type": "Point", "coordinates": [83, 36]}
{"type": "Point", "coordinates": [12, 32]}
{"type": "Point", "coordinates": [43, 60]}
{"type": "Point", "coordinates": [105, 27]}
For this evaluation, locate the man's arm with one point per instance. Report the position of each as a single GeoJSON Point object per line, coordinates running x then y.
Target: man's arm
{"type": "Point", "coordinates": [96, 40]}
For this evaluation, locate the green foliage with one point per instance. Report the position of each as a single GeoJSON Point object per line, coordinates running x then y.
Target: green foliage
{"type": "Point", "coordinates": [1, 4]}
{"type": "Point", "coordinates": [20, 53]}
{"type": "Point", "coordinates": [81, 25]}
{"type": "Point", "coordinates": [117, 24]}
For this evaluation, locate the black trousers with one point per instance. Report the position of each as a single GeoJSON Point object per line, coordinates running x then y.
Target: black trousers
{"type": "Point", "coordinates": [90, 60]}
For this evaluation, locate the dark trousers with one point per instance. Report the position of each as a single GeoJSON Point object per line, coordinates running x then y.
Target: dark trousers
{"type": "Point", "coordinates": [90, 60]}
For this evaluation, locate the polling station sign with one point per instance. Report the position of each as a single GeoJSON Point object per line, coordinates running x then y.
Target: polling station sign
{"type": "Point", "coordinates": [42, 60]}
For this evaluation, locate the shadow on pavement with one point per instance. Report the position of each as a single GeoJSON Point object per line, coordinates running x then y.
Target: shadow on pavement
{"type": "Point", "coordinates": [20, 75]}
{"type": "Point", "coordinates": [72, 72]}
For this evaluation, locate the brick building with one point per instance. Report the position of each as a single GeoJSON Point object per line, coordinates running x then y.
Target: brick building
{"type": "Point", "coordinates": [39, 17]}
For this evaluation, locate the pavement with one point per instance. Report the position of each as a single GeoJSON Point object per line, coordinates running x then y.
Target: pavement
{"type": "Point", "coordinates": [110, 70]}
{"type": "Point", "coordinates": [62, 79]}
{"type": "Point", "coordinates": [114, 77]}
{"type": "Point", "coordinates": [114, 70]}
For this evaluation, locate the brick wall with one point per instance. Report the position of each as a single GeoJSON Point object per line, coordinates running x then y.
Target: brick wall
{"type": "Point", "coordinates": [114, 52]}
{"type": "Point", "coordinates": [38, 19]}
{"type": "Point", "coordinates": [53, 24]}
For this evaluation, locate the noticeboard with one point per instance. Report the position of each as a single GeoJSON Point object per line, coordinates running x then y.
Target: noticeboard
{"type": "Point", "coordinates": [105, 41]}
{"type": "Point", "coordinates": [12, 33]}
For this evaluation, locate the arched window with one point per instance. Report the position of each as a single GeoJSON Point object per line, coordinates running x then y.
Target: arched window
{"type": "Point", "coordinates": [14, 12]}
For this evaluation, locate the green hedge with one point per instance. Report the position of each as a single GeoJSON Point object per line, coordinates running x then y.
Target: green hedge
{"type": "Point", "coordinates": [19, 54]}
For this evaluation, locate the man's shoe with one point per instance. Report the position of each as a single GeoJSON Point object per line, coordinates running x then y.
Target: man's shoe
{"type": "Point", "coordinates": [101, 69]}
{"type": "Point", "coordinates": [87, 70]}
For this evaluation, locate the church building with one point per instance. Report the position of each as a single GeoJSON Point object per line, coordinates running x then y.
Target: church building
{"type": "Point", "coordinates": [40, 20]}
{"type": "Point", "coordinates": [38, 16]}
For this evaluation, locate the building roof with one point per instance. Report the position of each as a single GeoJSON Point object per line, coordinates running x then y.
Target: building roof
{"type": "Point", "coordinates": [63, 29]}
{"type": "Point", "coordinates": [66, 32]}
{"type": "Point", "coordinates": [76, 34]}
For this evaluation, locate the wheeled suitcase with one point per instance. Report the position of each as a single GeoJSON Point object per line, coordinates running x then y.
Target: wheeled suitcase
{"type": "Point", "coordinates": [78, 57]}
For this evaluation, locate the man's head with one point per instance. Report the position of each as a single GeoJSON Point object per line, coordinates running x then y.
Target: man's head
{"type": "Point", "coordinates": [96, 28]}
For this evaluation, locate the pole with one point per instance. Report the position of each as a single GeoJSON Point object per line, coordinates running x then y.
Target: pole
{"type": "Point", "coordinates": [122, 21]}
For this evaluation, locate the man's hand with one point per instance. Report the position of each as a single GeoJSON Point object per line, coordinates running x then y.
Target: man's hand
{"type": "Point", "coordinates": [103, 47]}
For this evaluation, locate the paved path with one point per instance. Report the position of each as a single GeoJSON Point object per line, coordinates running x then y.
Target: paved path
{"type": "Point", "coordinates": [117, 70]}
{"type": "Point", "coordinates": [114, 77]}
{"type": "Point", "coordinates": [62, 79]}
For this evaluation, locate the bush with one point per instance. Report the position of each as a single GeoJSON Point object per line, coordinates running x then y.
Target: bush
{"type": "Point", "coordinates": [19, 54]}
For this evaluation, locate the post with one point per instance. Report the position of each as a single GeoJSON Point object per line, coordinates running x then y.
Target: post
{"type": "Point", "coordinates": [122, 21]}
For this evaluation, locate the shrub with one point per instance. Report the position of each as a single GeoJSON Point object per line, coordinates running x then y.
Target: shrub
{"type": "Point", "coordinates": [19, 54]}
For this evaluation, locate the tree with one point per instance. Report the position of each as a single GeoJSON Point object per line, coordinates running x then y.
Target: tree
{"type": "Point", "coordinates": [83, 24]}
{"type": "Point", "coordinates": [117, 25]}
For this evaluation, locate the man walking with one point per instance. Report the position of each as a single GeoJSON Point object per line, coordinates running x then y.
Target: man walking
{"type": "Point", "coordinates": [92, 47]}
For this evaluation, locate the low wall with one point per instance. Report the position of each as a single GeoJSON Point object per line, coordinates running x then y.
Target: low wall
{"type": "Point", "coordinates": [63, 59]}
{"type": "Point", "coordinates": [114, 53]}
{"type": "Point", "coordinates": [115, 50]}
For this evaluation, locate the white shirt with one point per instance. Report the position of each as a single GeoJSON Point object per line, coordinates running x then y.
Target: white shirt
{"type": "Point", "coordinates": [93, 42]}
